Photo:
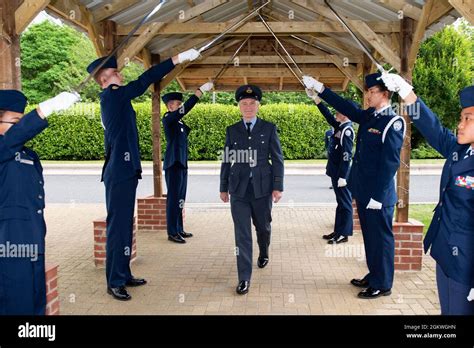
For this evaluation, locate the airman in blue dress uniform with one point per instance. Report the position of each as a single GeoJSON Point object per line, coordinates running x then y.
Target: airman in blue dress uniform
{"type": "Point", "coordinates": [176, 159]}
{"type": "Point", "coordinates": [338, 168]}
{"type": "Point", "coordinates": [327, 143]}
{"type": "Point", "coordinates": [451, 232]}
{"type": "Point", "coordinates": [251, 180]}
{"type": "Point", "coordinates": [22, 203]}
{"type": "Point", "coordinates": [372, 177]}
{"type": "Point", "coordinates": [122, 168]}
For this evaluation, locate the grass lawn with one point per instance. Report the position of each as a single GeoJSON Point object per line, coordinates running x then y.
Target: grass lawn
{"type": "Point", "coordinates": [422, 213]}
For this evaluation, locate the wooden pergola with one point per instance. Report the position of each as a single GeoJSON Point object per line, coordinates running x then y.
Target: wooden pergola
{"type": "Point", "coordinates": [392, 29]}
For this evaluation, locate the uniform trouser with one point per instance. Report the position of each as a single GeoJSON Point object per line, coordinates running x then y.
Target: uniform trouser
{"type": "Point", "coordinates": [453, 295]}
{"type": "Point", "coordinates": [244, 210]}
{"type": "Point", "coordinates": [120, 200]}
{"type": "Point", "coordinates": [22, 286]}
{"type": "Point", "coordinates": [379, 245]}
{"type": "Point", "coordinates": [176, 182]}
{"type": "Point", "coordinates": [343, 225]}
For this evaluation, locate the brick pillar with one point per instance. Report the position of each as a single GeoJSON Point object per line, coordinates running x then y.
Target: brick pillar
{"type": "Point", "coordinates": [151, 214]}
{"type": "Point", "coordinates": [100, 240]}
{"type": "Point", "coordinates": [408, 242]}
{"type": "Point", "coordinates": [52, 295]}
{"type": "Point", "coordinates": [408, 245]}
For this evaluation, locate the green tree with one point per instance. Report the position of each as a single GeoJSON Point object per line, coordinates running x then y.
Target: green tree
{"type": "Point", "coordinates": [445, 65]}
{"type": "Point", "coordinates": [54, 59]}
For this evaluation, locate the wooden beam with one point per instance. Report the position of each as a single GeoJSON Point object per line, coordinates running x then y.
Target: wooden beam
{"type": "Point", "coordinates": [186, 45]}
{"type": "Point", "coordinates": [146, 57]}
{"type": "Point", "coordinates": [138, 44]}
{"type": "Point", "coordinates": [350, 72]}
{"type": "Point", "coordinates": [92, 29]}
{"type": "Point", "coordinates": [239, 72]}
{"type": "Point", "coordinates": [368, 31]}
{"type": "Point", "coordinates": [195, 42]}
{"type": "Point", "coordinates": [375, 41]}
{"type": "Point", "coordinates": [345, 84]}
{"type": "Point", "coordinates": [289, 86]}
{"type": "Point", "coordinates": [465, 8]}
{"type": "Point", "coordinates": [311, 59]}
{"type": "Point", "coordinates": [293, 27]}
{"type": "Point", "coordinates": [156, 134]}
{"type": "Point", "coordinates": [419, 33]}
{"type": "Point", "coordinates": [330, 44]}
{"type": "Point", "coordinates": [153, 29]}
{"type": "Point", "coordinates": [112, 8]}
{"type": "Point", "coordinates": [181, 83]}
{"type": "Point", "coordinates": [27, 11]}
{"type": "Point", "coordinates": [110, 38]}
{"type": "Point", "coordinates": [403, 174]}
{"type": "Point", "coordinates": [440, 9]}
{"type": "Point", "coordinates": [407, 9]}
{"type": "Point", "coordinates": [58, 8]}
{"type": "Point", "coordinates": [10, 63]}
{"type": "Point", "coordinates": [178, 70]}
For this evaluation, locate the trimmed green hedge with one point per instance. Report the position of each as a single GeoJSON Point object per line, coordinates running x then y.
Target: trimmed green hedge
{"type": "Point", "coordinates": [78, 135]}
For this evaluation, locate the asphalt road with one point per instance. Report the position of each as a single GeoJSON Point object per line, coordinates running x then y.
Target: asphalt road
{"type": "Point", "coordinates": [305, 189]}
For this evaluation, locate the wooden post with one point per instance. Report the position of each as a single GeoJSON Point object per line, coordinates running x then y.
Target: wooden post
{"type": "Point", "coordinates": [156, 134]}
{"type": "Point", "coordinates": [403, 175]}
{"type": "Point", "coordinates": [10, 64]}
{"type": "Point", "coordinates": [110, 36]}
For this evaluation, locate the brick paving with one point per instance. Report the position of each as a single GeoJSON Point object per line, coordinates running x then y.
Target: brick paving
{"type": "Point", "coordinates": [305, 275]}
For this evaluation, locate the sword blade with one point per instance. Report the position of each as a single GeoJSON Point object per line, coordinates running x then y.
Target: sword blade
{"type": "Point", "coordinates": [124, 41]}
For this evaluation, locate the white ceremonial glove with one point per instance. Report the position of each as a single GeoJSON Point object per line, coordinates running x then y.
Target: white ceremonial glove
{"type": "Point", "coordinates": [341, 182]}
{"type": "Point", "coordinates": [312, 83]}
{"type": "Point", "coordinates": [206, 87]}
{"type": "Point", "coordinates": [373, 204]}
{"type": "Point", "coordinates": [61, 102]}
{"type": "Point", "coordinates": [313, 95]}
{"type": "Point", "coordinates": [471, 295]}
{"type": "Point", "coordinates": [396, 83]}
{"type": "Point", "coordinates": [188, 55]}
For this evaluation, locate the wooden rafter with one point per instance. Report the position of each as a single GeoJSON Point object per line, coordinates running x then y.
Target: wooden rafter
{"type": "Point", "coordinates": [112, 8]}
{"type": "Point", "coordinates": [464, 7]}
{"type": "Point", "coordinates": [348, 70]}
{"type": "Point", "coordinates": [27, 11]}
{"type": "Point", "coordinates": [290, 27]}
{"type": "Point", "coordinates": [419, 32]}
{"type": "Point", "coordinates": [92, 29]}
{"type": "Point", "coordinates": [153, 29]}
{"type": "Point", "coordinates": [368, 32]}
{"type": "Point", "coordinates": [407, 9]}
{"type": "Point", "coordinates": [273, 59]}
{"type": "Point", "coordinates": [231, 72]}
{"type": "Point", "coordinates": [178, 70]}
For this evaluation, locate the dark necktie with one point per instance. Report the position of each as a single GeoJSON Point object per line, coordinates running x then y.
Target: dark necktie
{"type": "Point", "coordinates": [248, 127]}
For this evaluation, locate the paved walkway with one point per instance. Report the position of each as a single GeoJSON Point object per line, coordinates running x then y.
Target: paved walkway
{"type": "Point", "coordinates": [305, 276]}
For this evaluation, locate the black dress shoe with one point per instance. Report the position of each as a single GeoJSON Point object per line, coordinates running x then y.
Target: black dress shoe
{"type": "Point", "coordinates": [185, 234]}
{"type": "Point", "coordinates": [119, 293]}
{"type": "Point", "coordinates": [135, 282]}
{"type": "Point", "coordinates": [370, 293]}
{"type": "Point", "coordinates": [338, 239]}
{"type": "Point", "coordinates": [177, 239]}
{"type": "Point", "coordinates": [329, 236]}
{"type": "Point", "coordinates": [243, 287]}
{"type": "Point", "coordinates": [262, 262]}
{"type": "Point", "coordinates": [360, 283]}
